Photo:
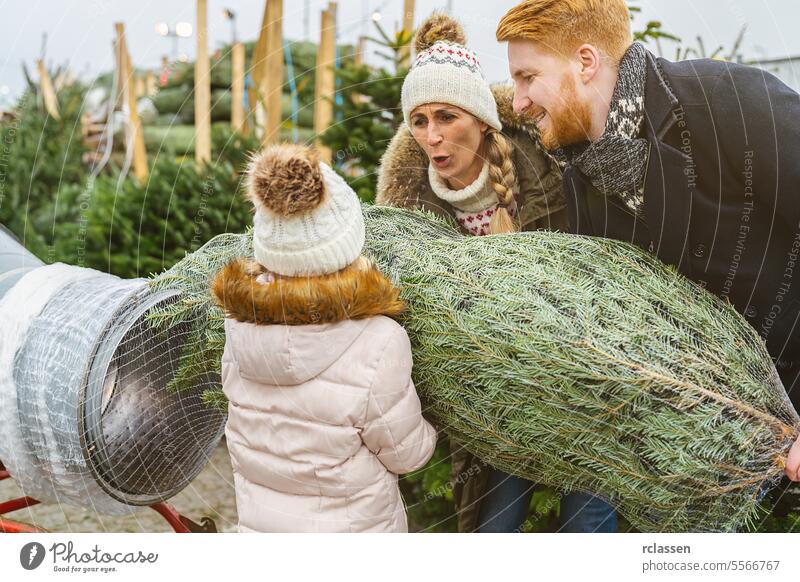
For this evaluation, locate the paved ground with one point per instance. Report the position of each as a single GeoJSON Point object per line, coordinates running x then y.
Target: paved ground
{"type": "Point", "coordinates": [210, 494]}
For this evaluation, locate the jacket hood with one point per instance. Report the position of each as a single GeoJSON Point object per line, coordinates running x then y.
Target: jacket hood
{"type": "Point", "coordinates": [288, 355]}
{"type": "Point", "coordinates": [290, 330]}
{"type": "Point", "coordinates": [403, 170]}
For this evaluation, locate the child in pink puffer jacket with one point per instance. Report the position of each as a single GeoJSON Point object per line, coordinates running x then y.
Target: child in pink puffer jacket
{"type": "Point", "coordinates": [322, 414]}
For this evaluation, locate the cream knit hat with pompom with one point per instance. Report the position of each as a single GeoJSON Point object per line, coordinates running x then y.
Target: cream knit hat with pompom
{"type": "Point", "coordinates": [307, 220]}
{"type": "Point", "coordinates": [446, 71]}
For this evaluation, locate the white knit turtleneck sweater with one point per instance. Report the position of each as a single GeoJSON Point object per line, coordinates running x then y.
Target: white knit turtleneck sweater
{"type": "Point", "coordinates": [474, 205]}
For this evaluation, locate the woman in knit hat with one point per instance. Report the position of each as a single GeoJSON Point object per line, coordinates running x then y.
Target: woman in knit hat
{"type": "Point", "coordinates": [463, 152]}
{"type": "Point", "coordinates": [322, 413]}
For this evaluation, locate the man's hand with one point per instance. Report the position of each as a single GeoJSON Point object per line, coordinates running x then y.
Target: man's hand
{"type": "Point", "coordinates": [793, 462]}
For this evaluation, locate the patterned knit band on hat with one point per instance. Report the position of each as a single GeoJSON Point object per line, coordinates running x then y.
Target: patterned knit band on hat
{"type": "Point", "coordinates": [446, 71]}
{"type": "Point", "coordinates": [307, 219]}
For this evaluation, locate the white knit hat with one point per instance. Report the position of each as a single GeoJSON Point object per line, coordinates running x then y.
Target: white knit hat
{"type": "Point", "coordinates": [307, 220]}
{"type": "Point", "coordinates": [445, 71]}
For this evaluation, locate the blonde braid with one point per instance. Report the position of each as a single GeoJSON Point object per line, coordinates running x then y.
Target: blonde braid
{"type": "Point", "coordinates": [504, 181]}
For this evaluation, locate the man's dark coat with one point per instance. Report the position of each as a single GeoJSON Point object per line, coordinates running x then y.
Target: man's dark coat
{"type": "Point", "coordinates": [721, 193]}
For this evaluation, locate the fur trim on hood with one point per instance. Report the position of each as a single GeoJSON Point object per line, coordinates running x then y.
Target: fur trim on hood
{"type": "Point", "coordinates": [403, 173]}
{"type": "Point", "coordinates": [352, 293]}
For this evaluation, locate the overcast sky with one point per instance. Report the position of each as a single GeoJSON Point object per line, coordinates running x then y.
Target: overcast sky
{"type": "Point", "coordinates": [80, 32]}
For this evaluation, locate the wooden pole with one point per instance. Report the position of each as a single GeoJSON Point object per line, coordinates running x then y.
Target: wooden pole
{"type": "Point", "coordinates": [125, 80]}
{"type": "Point", "coordinates": [408, 28]}
{"type": "Point", "coordinates": [49, 94]}
{"type": "Point", "coordinates": [150, 84]}
{"type": "Point", "coordinates": [120, 97]}
{"type": "Point", "coordinates": [140, 169]}
{"type": "Point", "coordinates": [58, 82]}
{"type": "Point", "coordinates": [64, 79]}
{"type": "Point", "coordinates": [141, 89]}
{"type": "Point", "coordinates": [324, 86]}
{"type": "Point", "coordinates": [359, 60]}
{"type": "Point", "coordinates": [257, 72]}
{"type": "Point", "coordinates": [237, 88]}
{"type": "Point", "coordinates": [260, 49]}
{"type": "Point", "coordinates": [273, 77]}
{"type": "Point", "coordinates": [202, 88]}
{"type": "Point", "coordinates": [359, 56]}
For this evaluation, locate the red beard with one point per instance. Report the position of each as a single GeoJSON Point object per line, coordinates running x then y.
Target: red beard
{"type": "Point", "coordinates": [570, 123]}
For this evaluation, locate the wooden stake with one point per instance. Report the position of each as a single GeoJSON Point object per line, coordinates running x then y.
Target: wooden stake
{"type": "Point", "coordinates": [58, 82]}
{"type": "Point", "coordinates": [50, 100]}
{"type": "Point", "coordinates": [125, 80]}
{"type": "Point", "coordinates": [408, 28]}
{"type": "Point", "coordinates": [260, 50]}
{"type": "Point", "coordinates": [272, 79]}
{"type": "Point", "coordinates": [257, 72]}
{"type": "Point", "coordinates": [237, 87]}
{"type": "Point", "coordinates": [202, 88]}
{"type": "Point", "coordinates": [150, 84]}
{"type": "Point", "coordinates": [359, 60]}
{"type": "Point", "coordinates": [140, 169]}
{"type": "Point", "coordinates": [359, 56]}
{"type": "Point", "coordinates": [121, 97]}
{"type": "Point", "coordinates": [325, 81]}
{"type": "Point", "coordinates": [141, 89]}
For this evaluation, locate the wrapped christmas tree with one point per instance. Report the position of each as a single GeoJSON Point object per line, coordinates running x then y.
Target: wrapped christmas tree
{"type": "Point", "coordinates": [574, 362]}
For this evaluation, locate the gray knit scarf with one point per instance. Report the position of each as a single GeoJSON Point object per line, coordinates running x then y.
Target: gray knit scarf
{"type": "Point", "coordinates": [616, 163]}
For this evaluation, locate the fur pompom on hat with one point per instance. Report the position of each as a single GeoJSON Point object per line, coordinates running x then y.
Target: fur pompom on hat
{"type": "Point", "coordinates": [438, 27]}
{"type": "Point", "coordinates": [446, 71]}
{"type": "Point", "coordinates": [307, 219]}
{"type": "Point", "coordinates": [286, 179]}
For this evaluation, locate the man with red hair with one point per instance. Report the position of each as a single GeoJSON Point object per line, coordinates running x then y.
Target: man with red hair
{"type": "Point", "coordinates": [694, 161]}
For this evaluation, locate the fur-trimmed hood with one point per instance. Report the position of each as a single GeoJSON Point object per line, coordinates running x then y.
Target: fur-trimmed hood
{"type": "Point", "coordinates": [318, 412]}
{"type": "Point", "coordinates": [403, 173]}
{"type": "Point", "coordinates": [352, 293]}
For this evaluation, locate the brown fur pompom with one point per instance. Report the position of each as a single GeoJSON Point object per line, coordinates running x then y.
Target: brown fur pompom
{"type": "Point", "coordinates": [285, 179]}
{"type": "Point", "coordinates": [438, 27]}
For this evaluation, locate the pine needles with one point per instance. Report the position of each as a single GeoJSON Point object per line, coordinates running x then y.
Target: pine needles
{"type": "Point", "coordinates": [576, 362]}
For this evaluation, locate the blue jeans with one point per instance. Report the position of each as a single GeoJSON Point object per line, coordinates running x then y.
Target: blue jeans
{"type": "Point", "coordinates": [504, 508]}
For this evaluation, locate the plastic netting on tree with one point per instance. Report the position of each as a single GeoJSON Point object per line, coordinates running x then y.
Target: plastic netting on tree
{"type": "Point", "coordinates": [575, 362]}
{"type": "Point", "coordinates": [202, 348]}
